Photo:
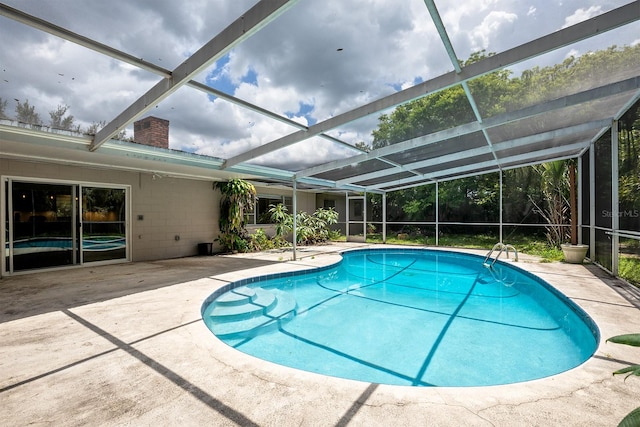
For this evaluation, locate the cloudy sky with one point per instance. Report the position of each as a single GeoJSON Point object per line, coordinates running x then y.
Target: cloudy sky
{"type": "Point", "coordinates": [319, 59]}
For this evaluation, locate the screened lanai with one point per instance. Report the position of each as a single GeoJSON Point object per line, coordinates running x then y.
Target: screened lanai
{"type": "Point", "coordinates": [297, 92]}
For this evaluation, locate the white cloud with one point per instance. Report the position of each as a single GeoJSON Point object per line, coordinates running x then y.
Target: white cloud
{"type": "Point", "coordinates": [330, 55]}
{"type": "Point", "coordinates": [581, 15]}
{"type": "Point", "coordinates": [491, 25]}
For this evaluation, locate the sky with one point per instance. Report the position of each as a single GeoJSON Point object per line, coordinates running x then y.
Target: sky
{"type": "Point", "coordinates": [319, 59]}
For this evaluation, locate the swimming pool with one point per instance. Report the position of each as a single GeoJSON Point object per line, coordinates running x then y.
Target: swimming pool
{"type": "Point", "coordinates": [412, 317]}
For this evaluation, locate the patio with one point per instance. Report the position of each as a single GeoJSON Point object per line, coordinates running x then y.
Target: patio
{"type": "Point", "coordinates": [125, 345]}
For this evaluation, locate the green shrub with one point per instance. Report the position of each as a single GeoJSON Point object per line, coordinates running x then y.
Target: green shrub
{"type": "Point", "coordinates": [629, 269]}
{"type": "Point", "coordinates": [310, 229]}
{"type": "Point", "coordinates": [259, 241]}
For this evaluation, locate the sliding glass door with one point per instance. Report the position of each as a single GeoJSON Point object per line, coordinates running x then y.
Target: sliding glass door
{"type": "Point", "coordinates": [41, 232]}
{"type": "Point", "coordinates": [59, 224]}
{"type": "Point", "coordinates": [103, 224]}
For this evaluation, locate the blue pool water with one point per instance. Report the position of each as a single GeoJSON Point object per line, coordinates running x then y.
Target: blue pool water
{"type": "Point", "coordinates": [46, 244]}
{"type": "Point", "coordinates": [406, 317]}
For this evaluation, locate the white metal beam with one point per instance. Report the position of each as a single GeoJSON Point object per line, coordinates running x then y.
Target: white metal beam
{"type": "Point", "coordinates": [596, 25]}
{"type": "Point", "coordinates": [533, 157]}
{"type": "Point", "coordinates": [444, 36]}
{"type": "Point", "coordinates": [504, 145]}
{"type": "Point", "coordinates": [564, 102]}
{"type": "Point", "coordinates": [537, 109]}
{"type": "Point", "coordinates": [528, 141]}
{"type": "Point", "coordinates": [244, 27]}
{"type": "Point", "coordinates": [48, 27]}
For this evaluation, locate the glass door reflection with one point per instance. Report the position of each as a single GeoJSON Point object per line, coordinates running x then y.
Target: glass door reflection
{"type": "Point", "coordinates": [103, 224]}
{"type": "Point", "coordinates": [42, 234]}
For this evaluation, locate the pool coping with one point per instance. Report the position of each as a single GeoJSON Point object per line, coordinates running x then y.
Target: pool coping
{"type": "Point", "coordinates": [145, 357]}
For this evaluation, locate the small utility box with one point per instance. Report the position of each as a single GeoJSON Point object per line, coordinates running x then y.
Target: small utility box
{"type": "Point", "coordinates": [205, 248]}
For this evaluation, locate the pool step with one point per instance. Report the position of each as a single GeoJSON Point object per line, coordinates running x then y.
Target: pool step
{"type": "Point", "coordinates": [237, 296]}
{"type": "Point", "coordinates": [245, 310]}
{"type": "Point", "coordinates": [241, 306]}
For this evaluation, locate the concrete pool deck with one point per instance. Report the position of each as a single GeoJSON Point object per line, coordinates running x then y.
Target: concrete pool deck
{"type": "Point", "coordinates": [125, 345]}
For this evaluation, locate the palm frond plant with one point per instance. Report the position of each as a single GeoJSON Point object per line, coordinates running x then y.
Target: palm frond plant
{"type": "Point", "coordinates": [632, 419]}
{"type": "Point", "coordinates": [556, 206]}
{"type": "Point", "coordinates": [310, 229]}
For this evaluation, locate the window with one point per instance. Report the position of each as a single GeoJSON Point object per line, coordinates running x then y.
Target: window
{"type": "Point", "coordinates": [260, 213]}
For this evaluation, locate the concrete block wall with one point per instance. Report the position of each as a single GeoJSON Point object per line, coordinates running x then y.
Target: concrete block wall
{"type": "Point", "coordinates": [169, 207]}
{"type": "Point", "coordinates": [170, 216]}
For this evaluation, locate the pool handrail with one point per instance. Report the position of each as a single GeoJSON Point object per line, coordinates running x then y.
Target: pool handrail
{"type": "Point", "coordinates": [500, 247]}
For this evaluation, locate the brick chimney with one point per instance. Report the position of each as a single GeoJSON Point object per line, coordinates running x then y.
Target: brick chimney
{"type": "Point", "coordinates": [152, 131]}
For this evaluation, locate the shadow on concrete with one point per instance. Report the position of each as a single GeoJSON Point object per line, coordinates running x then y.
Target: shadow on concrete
{"type": "Point", "coordinates": [43, 292]}
{"type": "Point", "coordinates": [357, 405]}
{"type": "Point", "coordinates": [197, 392]}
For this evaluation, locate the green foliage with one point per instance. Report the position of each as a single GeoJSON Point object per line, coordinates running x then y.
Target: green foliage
{"type": "Point", "coordinates": [233, 242]}
{"type": "Point", "coordinates": [259, 241]}
{"type": "Point", "coordinates": [526, 193]}
{"type": "Point", "coordinates": [633, 418]}
{"type": "Point", "coordinates": [629, 269]}
{"type": "Point", "coordinates": [3, 107]}
{"type": "Point", "coordinates": [530, 245]}
{"type": "Point", "coordinates": [238, 196]}
{"type": "Point", "coordinates": [627, 339]}
{"type": "Point", "coordinates": [310, 229]}
{"type": "Point", "coordinates": [279, 215]}
{"type": "Point", "coordinates": [26, 113]}
{"type": "Point", "coordinates": [548, 253]}
{"type": "Point", "coordinates": [555, 208]}
{"type": "Point", "coordinates": [59, 121]}
{"type": "Point", "coordinates": [629, 183]}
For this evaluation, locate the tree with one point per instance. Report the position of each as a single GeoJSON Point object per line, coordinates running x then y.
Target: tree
{"type": "Point", "coordinates": [629, 152]}
{"type": "Point", "coordinates": [26, 113]}
{"type": "Point", "coordinates": [476, 198]}
{"type": "Point", "coordinates": [3, 106]}
{"type": "Point", "coordinates": [555, 207]}
{"type": "Point", "coordinates": [363, 146]}
{"type": "Point", "coordinates": [59, 121]}
{"type": "Point", "coordinates": [94, 127]}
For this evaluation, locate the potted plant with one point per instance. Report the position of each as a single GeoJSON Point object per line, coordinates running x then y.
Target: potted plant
{"type": "Point", "coordinates": [574, 253]}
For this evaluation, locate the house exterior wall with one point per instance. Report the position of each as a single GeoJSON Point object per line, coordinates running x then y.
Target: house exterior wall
{"type": "Point", "coordinates": [339, 203]}
{"type": "Point", "coordinates": [169, 207]}
{"type": "Point", "coordinates": [172, 207]}
{"type": "Point", "coordinates": [305, 202]}
{"type": "Point", "coordinates": [169, 217]}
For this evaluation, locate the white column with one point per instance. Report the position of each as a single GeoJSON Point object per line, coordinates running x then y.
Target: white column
{"type": "Point", "coordinates": [384, 217]}
{"type": "Point", "coordinates": [364, 217]}
{"type": "Point", "coordinates": [437, 212]}
{"type": "Point", "coordinates": [346, 215]}
{"type": "Point", "coordinates": [500, 233]}
{"type": "Point", "coordinates": [592, 198]}
{"type": "Point", "coordinates": [295, 220]}
{"type": "Point", "coordinates": [615, 202]}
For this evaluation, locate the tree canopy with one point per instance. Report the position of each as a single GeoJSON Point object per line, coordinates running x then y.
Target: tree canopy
{"type": "Point", "coordinates": [476, 198]}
